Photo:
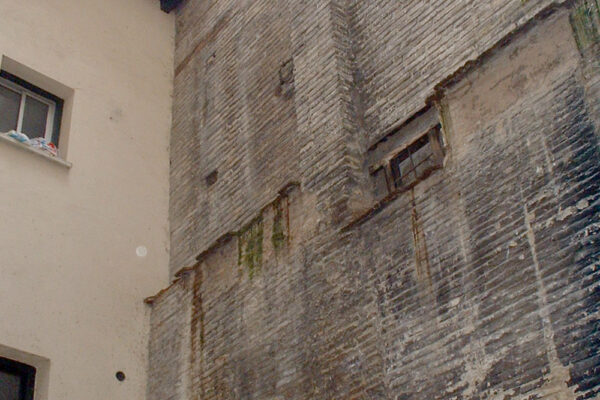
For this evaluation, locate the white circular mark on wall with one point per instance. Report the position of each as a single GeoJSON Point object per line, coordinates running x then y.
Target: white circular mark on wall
{"type": "Point", "coordinates": [141, 251]}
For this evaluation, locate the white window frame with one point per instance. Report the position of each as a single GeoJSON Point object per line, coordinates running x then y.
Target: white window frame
{"type": "Point", "coordinates": [24, 94]}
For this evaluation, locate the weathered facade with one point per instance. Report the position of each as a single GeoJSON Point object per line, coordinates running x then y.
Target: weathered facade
{"type": "Point", "coordinates": [383, 200]}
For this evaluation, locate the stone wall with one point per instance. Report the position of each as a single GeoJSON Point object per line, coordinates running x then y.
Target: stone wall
{"type": "Point", "coordinates": [255, 102]}
{"type": "Point", "coordinates": [478, 282]}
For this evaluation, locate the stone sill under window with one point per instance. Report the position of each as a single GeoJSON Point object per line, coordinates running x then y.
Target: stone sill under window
{"type": "Point", "coordinates": [41, 153]}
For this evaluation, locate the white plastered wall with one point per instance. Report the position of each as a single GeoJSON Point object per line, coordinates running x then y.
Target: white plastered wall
{"type": "Point", "coordinates": [71, 283]}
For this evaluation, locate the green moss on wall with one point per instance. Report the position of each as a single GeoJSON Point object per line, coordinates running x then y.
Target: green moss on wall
{"type": "Point", "coordinates": [250, 247]}
{"type": "Point", "coordinates": [278, 237]}
{"type": "Point", "coordinates": [585, 19]}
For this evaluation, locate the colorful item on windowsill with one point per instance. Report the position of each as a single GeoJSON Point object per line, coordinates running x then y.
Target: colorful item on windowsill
{"type": "Point", "coordinates": [43, 144]}
{"type": "Point", "coordinates": [38, 143]}
{"type": "Point", "coordinates": [20, 137]}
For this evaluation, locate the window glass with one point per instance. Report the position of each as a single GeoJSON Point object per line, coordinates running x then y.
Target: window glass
{"type": "Point", "coordinates": [416, 162]}
{"type": "Point", "coordinates": [406, 155]}
{"type": "Point", "coordinates": [10, 102]}
{"type": "Point", "coordinates": [405, 173]}
{"type": "Point", "coordinates": [35, 118]}
{"type": "Point", "coordinates": [10, 386]}
{"type": "Point", "coordinates": [423, 157]}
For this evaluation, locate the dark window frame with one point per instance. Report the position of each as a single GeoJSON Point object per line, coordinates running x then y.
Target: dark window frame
{"type": "Point", "coordinates": [58, 102]}
{"type": "Point", "coordinates": [435, 158]}
{"type": "Point", "coordinates": [407, 155]}
{"type": "Point", "coordinates": [25, 372]}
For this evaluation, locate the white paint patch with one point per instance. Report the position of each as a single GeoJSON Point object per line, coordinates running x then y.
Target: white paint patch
{"type": "Point", "coordinates": [582, 204]}
{"type": "Point", "coordinates": [564, 214]}
{"type": "Point", "coordinates": [141, 251]}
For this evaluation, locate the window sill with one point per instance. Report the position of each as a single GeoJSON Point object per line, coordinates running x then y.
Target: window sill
{"type": "Point", "coordinates": [41, 153]}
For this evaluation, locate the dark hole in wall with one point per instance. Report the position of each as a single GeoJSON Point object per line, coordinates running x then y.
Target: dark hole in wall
{"type": "Point", "coordinates": [212, 178]}
{"type": "Point", "coordinates": [286, 79]}
{"type": "Point", "coordinates": [120, 375]}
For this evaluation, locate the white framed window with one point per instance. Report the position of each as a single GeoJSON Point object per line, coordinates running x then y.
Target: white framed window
{"type": "Point", "coordinates": [27, 109]}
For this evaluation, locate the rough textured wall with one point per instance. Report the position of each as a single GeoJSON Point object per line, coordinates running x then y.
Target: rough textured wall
{"type": "Point", "coordinates": [420, 44]}
{"type": "Point", "coordinates": [479, 282]}
{"type": "Point", "coordinates": [358, 68]}
{"type": "Point", "coordinates": [255, 106]}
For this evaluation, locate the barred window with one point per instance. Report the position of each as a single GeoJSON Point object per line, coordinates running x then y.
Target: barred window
{"type": "Point", "coordinates": [408, 154]}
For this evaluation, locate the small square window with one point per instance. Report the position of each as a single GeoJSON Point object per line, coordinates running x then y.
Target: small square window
{"type": "Point", "coordinates": [17, 380]}
{"type": "Point", "coordinates": [418, 160]}
{"type": "Point", "coordinates": [28, 109]}
{"type": "Point", "coordinates": [407, 155]}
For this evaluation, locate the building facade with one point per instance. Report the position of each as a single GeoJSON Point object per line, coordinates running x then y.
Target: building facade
{"type": "Point", "coordinates": [325, 199]}
{"type": "Point", "coordinates": [72, 284]}
{"type": "Point", "coordinates": [382, 200]}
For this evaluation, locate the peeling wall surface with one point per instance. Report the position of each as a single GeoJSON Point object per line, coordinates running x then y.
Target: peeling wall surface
{"type": "Point", "coordinates": [292, 278]}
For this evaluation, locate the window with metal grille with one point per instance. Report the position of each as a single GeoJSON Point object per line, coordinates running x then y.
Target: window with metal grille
{"type": "Point", "coordinates": [418, 160]}
{"type": "Point", "coordinates": [408, 154]}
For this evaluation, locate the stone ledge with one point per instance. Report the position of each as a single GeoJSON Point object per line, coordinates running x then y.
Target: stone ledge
{"type": "Point", "coordinates": [16, 143]}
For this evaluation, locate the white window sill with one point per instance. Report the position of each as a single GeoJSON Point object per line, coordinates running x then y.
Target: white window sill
{"type": "Point", "coordinates": [41, 153]}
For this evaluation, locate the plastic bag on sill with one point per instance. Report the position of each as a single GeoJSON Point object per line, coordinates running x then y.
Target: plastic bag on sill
{"type": "Point", "coordinates": [18, 136]}
{"type": "Point", "coordinates": [43, 144]}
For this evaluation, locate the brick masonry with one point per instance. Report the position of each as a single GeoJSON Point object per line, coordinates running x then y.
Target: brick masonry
{"type": "Point", "coordinates": [290, 281]}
